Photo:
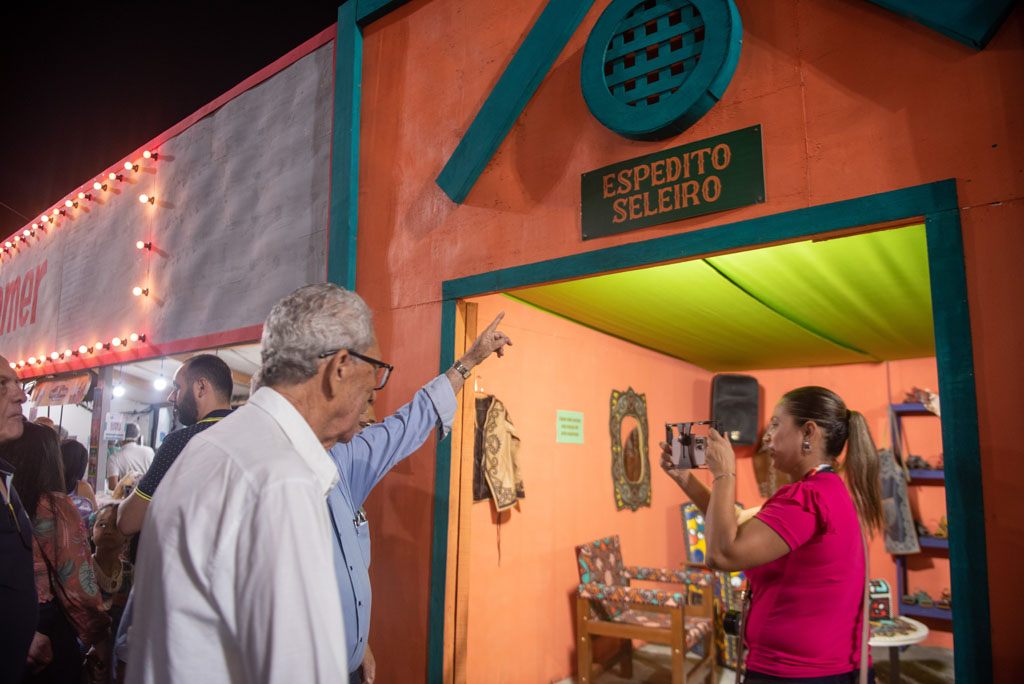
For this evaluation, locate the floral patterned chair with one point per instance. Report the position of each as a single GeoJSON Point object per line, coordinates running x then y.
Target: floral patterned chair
{"type": "Point", "coordinates": [606, 605]}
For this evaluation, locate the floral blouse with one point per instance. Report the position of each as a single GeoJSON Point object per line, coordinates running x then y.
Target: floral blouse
{"type": "Point", "coordinates": [60, 536]}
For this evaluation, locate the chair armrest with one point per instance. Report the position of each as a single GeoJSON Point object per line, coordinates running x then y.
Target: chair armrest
{"type": "Point", "coordinates": [699, 576]}
{"type": "Point", "coordinates": [632, 595]}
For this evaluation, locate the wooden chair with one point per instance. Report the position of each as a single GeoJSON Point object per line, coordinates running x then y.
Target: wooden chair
{"type": "Point", "coordinates": [607, 605]}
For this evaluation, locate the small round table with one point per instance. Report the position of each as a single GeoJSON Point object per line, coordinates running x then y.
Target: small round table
{"type": "Point", "coordinates": [895, 642]}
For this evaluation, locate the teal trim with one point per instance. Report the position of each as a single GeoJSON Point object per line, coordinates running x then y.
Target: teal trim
{"type": "Point", "coordinates": [971, 22]}
{"type": "Point", "coordinates": [937, 203]}
{"type": "Point", "coordinates": [369, 11]}
{"type": "Point", "coordinates": [344, 203]}
{"type": "Point", "coordinates": [513, 90]}
{"type": "Point", "coordinates": [442, 497]}
{"type": "Point", "coordinates": [863, 211]}
{"type": "Point", "coordinates": [968, 559]}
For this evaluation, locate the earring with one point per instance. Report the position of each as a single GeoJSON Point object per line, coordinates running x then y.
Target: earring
{"type": "Point", "coordinates": [807, 446]}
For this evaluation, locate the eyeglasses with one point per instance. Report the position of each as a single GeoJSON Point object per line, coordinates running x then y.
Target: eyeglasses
{"type": "Point", "coordinates": [382, 370]}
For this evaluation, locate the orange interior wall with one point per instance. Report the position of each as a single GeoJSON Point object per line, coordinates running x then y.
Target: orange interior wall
{"type": "Point", "coordinates": [523, 571]}
{"type": "Point", "coordinates": [852, 99]}
{"type": "Point", "coordinates": [521, 610]}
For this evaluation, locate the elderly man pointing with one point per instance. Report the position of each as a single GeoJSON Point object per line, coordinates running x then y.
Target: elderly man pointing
{"type": "Point", "coordinates": [367, 458]}
{"type": "Point", "coordinates": [235, 579]}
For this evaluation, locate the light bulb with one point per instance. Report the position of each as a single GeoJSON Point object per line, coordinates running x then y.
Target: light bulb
{"type": "Point", "coordinates": [147, 154]}
{"type": "Point", "coordinates": [112, 176]}
{"type": "Point", "coordinates": [54, 356]}
{"type": "Point", "coordinates": [118, 390]}
{"type": "Point", "coordinates": [22, 363]}
{"type": "Point", "coordinates": [98, 186]}
{"type": "Point", "coordinates": [67, 353]}
{"type": "Point", "coordinates": [31, 360]}
{"type": "Point", "coordinates": [97, 347]}
{"type": "Point", "coordinates": [128, 166]}
{"type": "Point", "coordinates": [160, 383]}
{"type": "Point", "coordinates": [8, 244]}
{"type": "Point", "coordinates": [44, 218]}
{"type": "Point", "coordinates": [147, 198]}
{"type": "Point", "coordinates": [116, 342]}
{"type": "Point", "coordinates": [26, 232]}
{"type": "Point", "coordinates": [68, 203]}
{"type": "Point", "coordinates": [81, 195]}
{"type": "Point", "coordinates": [137, 291]}
{"type": "Point", "coordinates": [13, 365]}
{"type": "Point", "coordinates": [82, 349]}
{"type": "Point", "coordinates": [134, 337]}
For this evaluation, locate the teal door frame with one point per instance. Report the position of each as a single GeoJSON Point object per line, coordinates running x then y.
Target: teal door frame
{"type": "Point", "coordinates": [936, 203]}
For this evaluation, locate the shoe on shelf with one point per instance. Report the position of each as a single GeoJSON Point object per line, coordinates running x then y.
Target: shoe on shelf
{"type": "Point", "coordinates": [922, 531]}
{"type": "Point", "coordinates": [946, 600]}
{"type": "Point", "coordinates": [923, 599]}
{"type": "Point", "coordinates": [943, 530]}
{"type": "Point", "coordinates": [910, 599]}
{"type": "Point", "coordinates": [918, 463]}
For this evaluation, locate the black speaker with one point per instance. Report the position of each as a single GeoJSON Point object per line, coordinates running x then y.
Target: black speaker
{"type": "Point", "coordinates": [734, 405]}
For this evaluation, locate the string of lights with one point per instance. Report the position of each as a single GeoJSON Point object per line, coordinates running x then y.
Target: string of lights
{"type": "Point", "coordinates": [95, 348]}
{"type": "Point", "coordinates": [56, 215]}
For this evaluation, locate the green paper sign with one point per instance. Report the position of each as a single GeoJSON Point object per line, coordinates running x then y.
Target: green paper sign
{"type": "Point", "coordinates": [569, 427]}
{"type": "Point", "coordinates": [723, 172]}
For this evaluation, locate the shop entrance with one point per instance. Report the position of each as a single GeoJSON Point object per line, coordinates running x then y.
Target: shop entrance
{"type": "Point", "coordinates": [133, 392]}
{"type": "Point", "coordinates": [932, 208]}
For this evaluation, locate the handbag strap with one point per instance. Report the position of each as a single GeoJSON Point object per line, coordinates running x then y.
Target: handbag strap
{"type": "Point", "coordinates": [865, 627]}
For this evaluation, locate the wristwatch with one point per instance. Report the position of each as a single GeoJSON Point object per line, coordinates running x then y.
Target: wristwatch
{"type": "Point", "coordinates": [462, 370]}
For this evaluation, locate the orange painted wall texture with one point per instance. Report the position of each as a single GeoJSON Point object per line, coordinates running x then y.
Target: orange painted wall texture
{"type": "Point", "coordinates": [523, 574]}
{"type": "Point", "coordinates": [853, 101]}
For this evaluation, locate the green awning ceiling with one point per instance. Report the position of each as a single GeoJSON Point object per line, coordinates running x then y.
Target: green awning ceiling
{"type": "Point", "coordinates": [863, 298]}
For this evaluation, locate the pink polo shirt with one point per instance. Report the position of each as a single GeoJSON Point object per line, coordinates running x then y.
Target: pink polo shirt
{"type": "Point", "coordinates": [805, 614]}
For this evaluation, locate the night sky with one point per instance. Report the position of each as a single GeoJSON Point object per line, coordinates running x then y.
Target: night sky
{"type": "Point", "coordinates": [85, 84]}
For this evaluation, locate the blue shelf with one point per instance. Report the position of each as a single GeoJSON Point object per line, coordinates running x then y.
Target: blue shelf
{"type": "Point", "coordinates": [918, 611]}
{"type": "Point", "coordinates": [933, 542]}
{"type": "Point", "coordinates": [927, 474]}
{"type": "Point", "coordinates": [911, 410]}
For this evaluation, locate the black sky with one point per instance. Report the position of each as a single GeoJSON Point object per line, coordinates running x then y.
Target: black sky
{"type": "Point", "coordinates": [85, 84]}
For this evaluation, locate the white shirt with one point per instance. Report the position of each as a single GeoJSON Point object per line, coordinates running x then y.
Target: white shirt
{"type": "Point", "coordinates": [235, 577]}
{"type": "Point", "coordinates": [131, 458]}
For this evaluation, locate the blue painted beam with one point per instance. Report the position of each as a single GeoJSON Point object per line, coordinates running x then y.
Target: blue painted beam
{"type": "Point", "coordinates": [344, 203]}
{"type": "Point", "coordinates": [442, 498]}
{"type": "Point", "coordinates": [517, 84]}
{"type": "Point", "coordinates": [863, 211]}
{"type": "Point", "coordinates": [368, 11]}
{"type": "Point", "coordinates": [971, 22]}
{"type": "Point", "coordinates": [965, 510]}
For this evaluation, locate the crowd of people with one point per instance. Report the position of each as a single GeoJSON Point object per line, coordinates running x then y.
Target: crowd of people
{"type": "Point", "coordinates": [251, 563]}
{"type": "Point", "coordinates": [242, 553]}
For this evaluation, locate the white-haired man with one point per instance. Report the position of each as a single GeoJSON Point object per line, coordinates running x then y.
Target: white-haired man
{"type": "Point", "coordinates": [235, 579]}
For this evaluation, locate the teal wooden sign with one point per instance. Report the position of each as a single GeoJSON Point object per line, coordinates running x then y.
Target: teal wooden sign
{"type": "Point", "coordinates": [723, 172]}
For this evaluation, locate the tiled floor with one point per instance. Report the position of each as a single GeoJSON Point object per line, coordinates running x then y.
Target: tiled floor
{"type": "Point", "coordinates": [652, 664]}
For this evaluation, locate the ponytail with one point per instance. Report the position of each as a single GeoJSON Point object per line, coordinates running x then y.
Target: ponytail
{"type": "Point", "coordinates": [862, 470]}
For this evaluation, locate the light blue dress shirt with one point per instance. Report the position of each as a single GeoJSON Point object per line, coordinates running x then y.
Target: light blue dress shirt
{"type": "Point", "coordinates": [361, 464]}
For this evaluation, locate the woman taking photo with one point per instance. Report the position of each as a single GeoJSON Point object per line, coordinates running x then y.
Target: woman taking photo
{"type": "Point", "coordinates": [803, 550]}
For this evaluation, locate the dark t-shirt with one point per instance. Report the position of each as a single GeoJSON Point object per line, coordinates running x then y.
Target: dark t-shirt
{"type": "Point", "coordinates": [17, 582]}
{"type": "Point", "coordinates": [170, 449]}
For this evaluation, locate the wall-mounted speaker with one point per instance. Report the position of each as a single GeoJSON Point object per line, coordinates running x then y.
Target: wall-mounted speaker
{"type": "Point", "coordinates": [734, 406]}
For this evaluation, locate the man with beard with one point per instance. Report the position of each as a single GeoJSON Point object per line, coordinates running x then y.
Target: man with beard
{"type": "Point", "coordinates": [201, 395]}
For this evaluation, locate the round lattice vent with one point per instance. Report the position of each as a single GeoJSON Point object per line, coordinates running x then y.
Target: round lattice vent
{"type": "Point", "coordinates": [652, 68]}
